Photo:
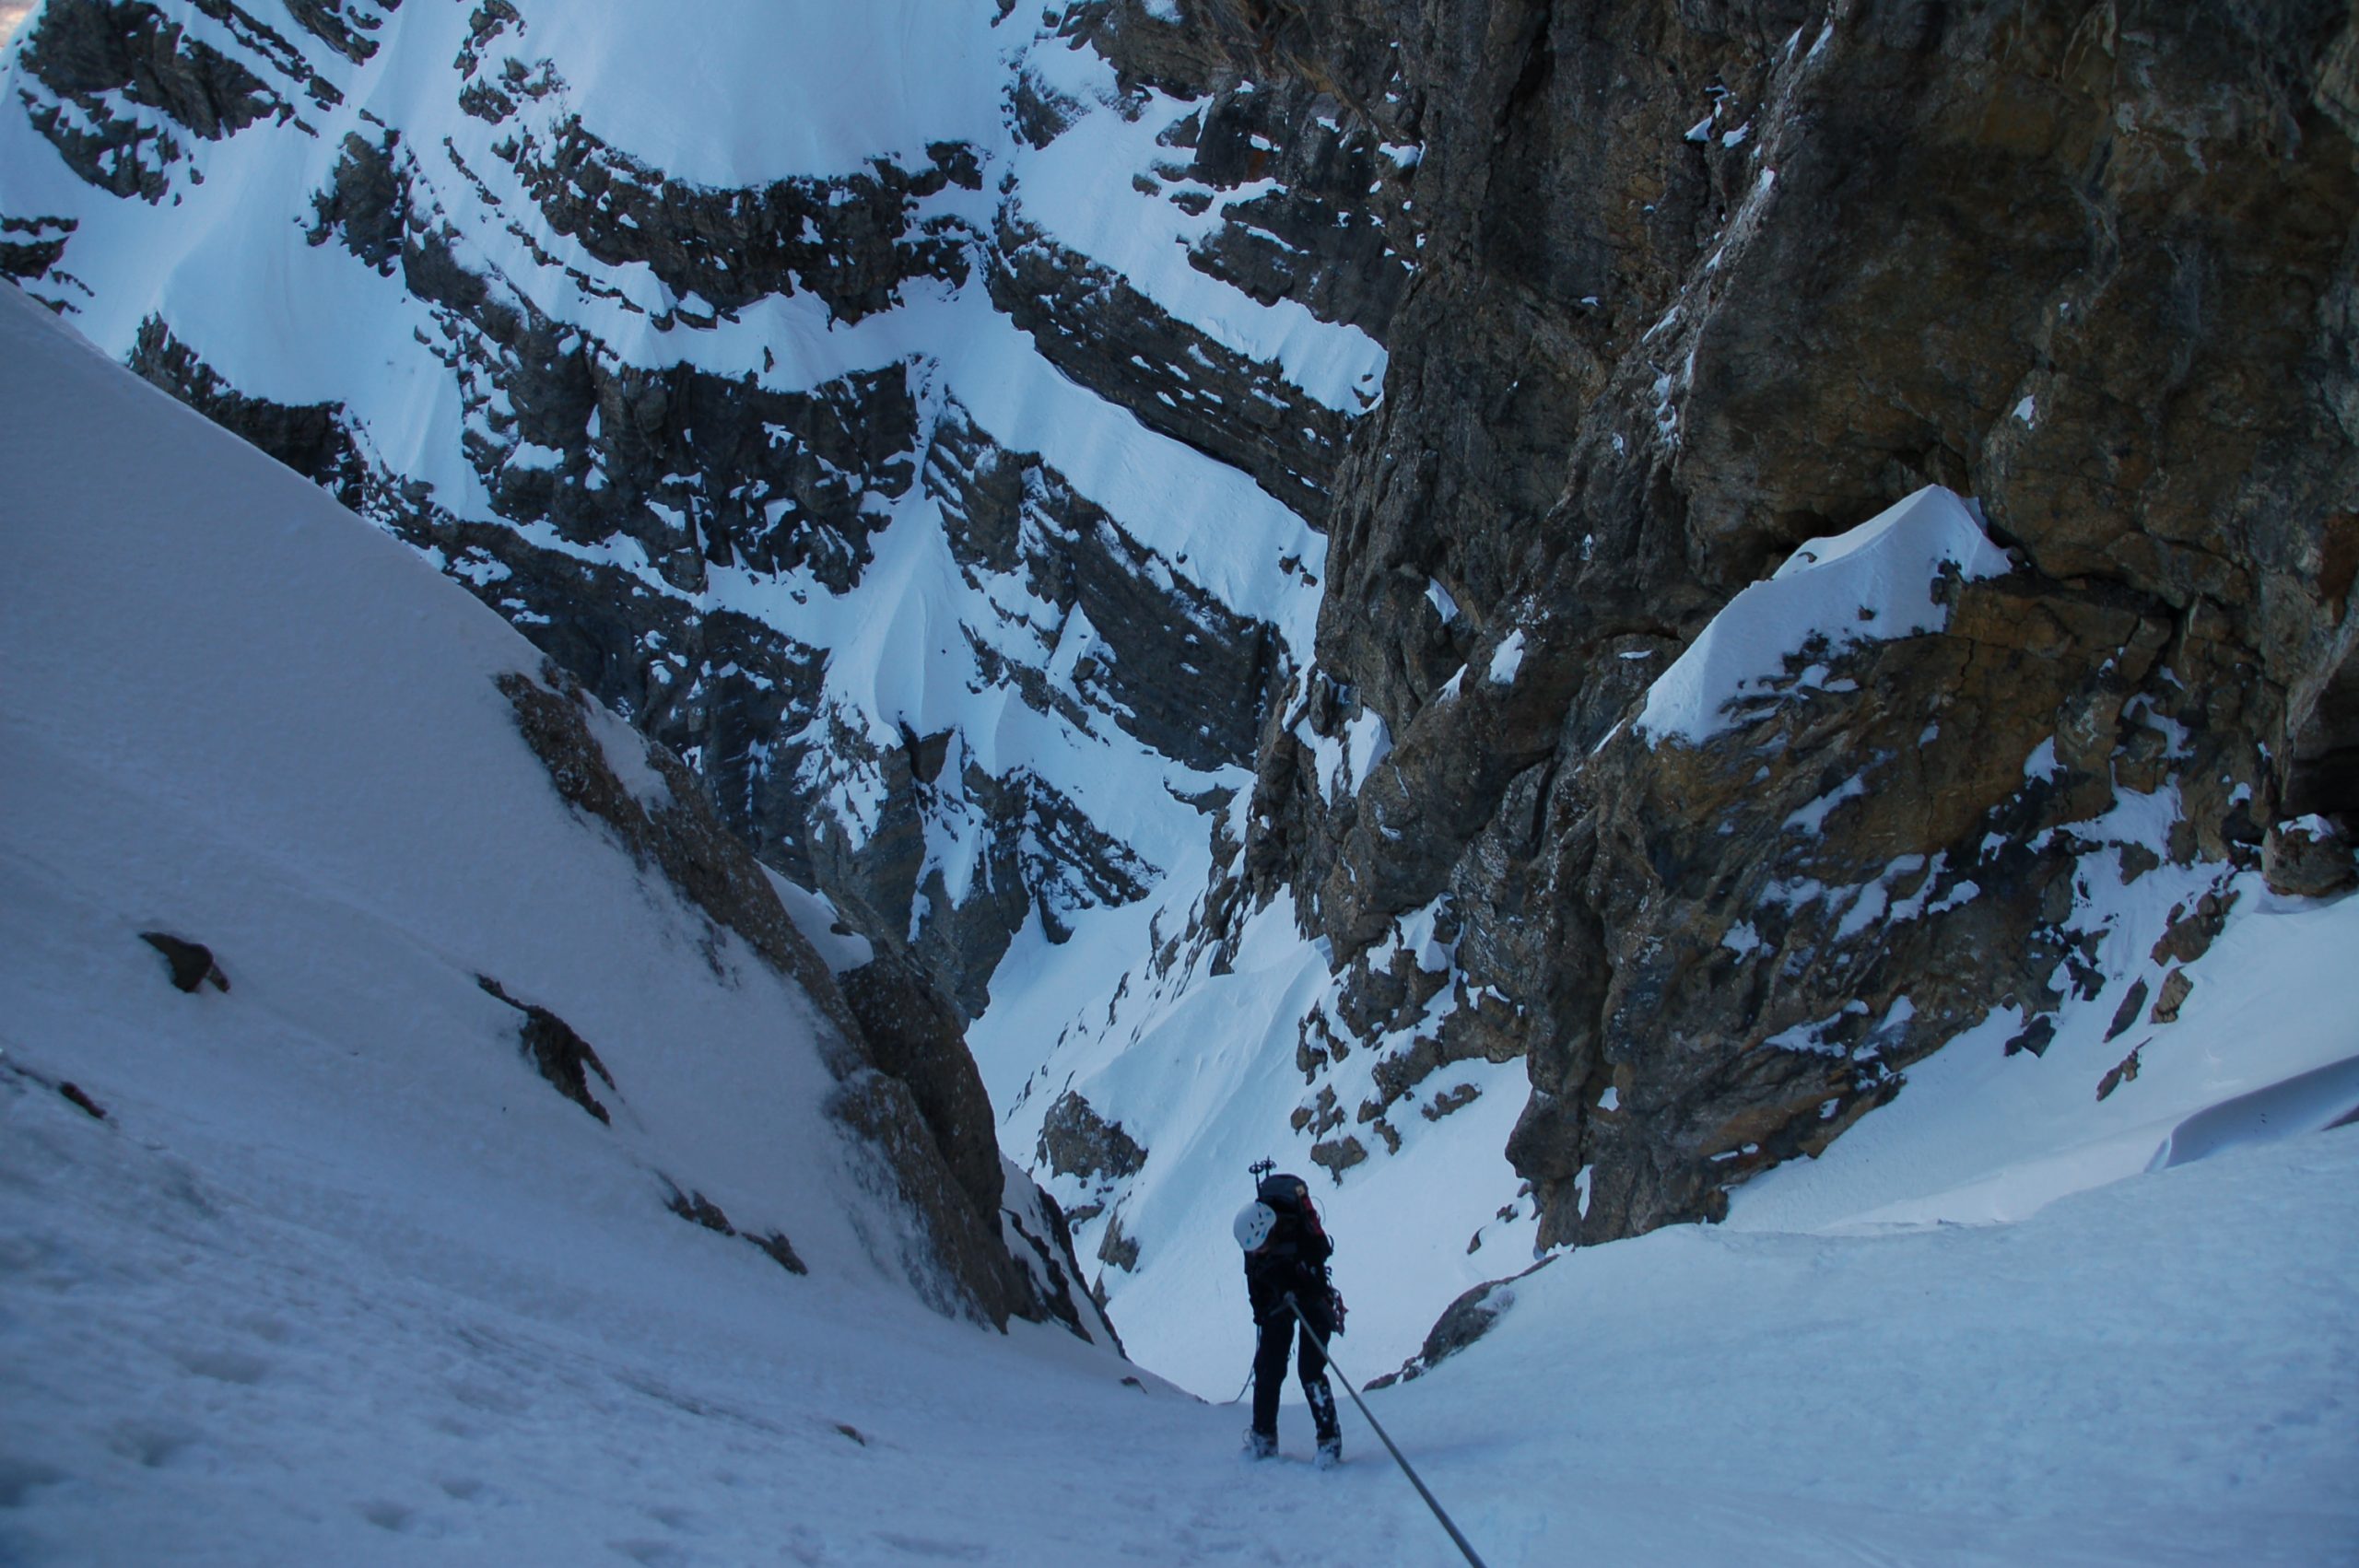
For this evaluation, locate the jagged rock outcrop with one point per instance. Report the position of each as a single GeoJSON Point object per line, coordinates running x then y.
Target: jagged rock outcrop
{"type": "Point", "coordinates": [1474, 1314]}
{"type": "Point", "coordinates": [102, 61]}
{"type": "Point", "coordinates": [1097, 1156]}
{"type": "Point", "coordinates": [1011, 513]}
{"type": "Point", "coordinates": [908, 1092]}
{"type": "Point", "coordinates": [699, 1209]}
{"type": "Point", "coordinates": [559, 1054]}
{"type": "Point", "coordinates": [33, 246]}
{"type": "Point", "coordinates": [192, 964]}
{"type": "Point", "coordinates": [1076, 1140]}
{"type": "Point", "coordinates": [1039, 1233]}
{"type": "Point", "coordinates": [310, 440]}
{"type": "Point", "coordinates": [2308, 858]}
{"type": "Point", "coordinates": [1098, 328]}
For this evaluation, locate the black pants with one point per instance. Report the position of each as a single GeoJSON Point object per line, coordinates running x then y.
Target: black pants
{"type": "Point", "coordinates": [1270, 1366]}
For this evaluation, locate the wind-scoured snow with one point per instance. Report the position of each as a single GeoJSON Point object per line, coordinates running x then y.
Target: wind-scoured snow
{"type": "Point", "coordinates": [817, 87]}
{"type": "Point", "coordinates": [1873, 583]}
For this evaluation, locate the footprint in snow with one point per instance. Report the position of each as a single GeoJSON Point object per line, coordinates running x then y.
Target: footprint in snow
{"type": "Point", "coordinates": [223, 1366]}
{"type": "Point", "coordinates": [922, 1546]}
{"type": "Point", "coordinates": [152, 1444]}
{"type": "Point", "coordinates": [391, 1517]}
{"type": "Point", "coordinates": [19, 1477]}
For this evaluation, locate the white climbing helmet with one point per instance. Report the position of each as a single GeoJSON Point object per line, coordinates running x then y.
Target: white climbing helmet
{"type": "Point", "coordinates": [1254, 1224]}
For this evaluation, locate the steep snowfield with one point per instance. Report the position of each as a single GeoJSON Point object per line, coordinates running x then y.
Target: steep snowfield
{"type": "Point", "coordinates": [235, 716]}
{"type": "Point", "coordinates": [810, 89]}
{"type": "Point", "coordinates": [339, 1279]}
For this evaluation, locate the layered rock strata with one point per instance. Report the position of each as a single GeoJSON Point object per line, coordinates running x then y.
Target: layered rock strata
{"type": "Point", "coordinates": [664, 527]}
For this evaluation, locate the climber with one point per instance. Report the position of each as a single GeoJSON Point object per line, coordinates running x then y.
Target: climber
{"type": "Point", "coordinates": [1286, 1256]}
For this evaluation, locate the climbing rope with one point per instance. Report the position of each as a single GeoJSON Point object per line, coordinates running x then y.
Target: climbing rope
{"type": "Point", "coordinates": [1389, 1447]}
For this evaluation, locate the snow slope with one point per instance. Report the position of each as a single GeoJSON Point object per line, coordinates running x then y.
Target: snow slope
{"type": "Point", "coordinates": [1873, 581]}
{"type": "Point", "coordinates": [236, 716]}
{"type": "Point", "coordinates": [338, 1279]}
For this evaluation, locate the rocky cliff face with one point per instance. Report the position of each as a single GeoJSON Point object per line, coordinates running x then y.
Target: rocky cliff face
{"type": "Point", "coordinates": [1526, 342]}
{"type": "Point", "coordinates": [1695, 286]}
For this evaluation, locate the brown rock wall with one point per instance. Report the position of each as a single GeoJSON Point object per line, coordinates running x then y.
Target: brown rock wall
{"type": "Point", "coordinates": [1696, 283]}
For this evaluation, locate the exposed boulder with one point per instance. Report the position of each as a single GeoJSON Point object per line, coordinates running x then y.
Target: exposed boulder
{"type": "Point", "coordinates": [556, 1052]}
{"type": "Point", "coordinates": [1076, 1140]}
{"type": "Point", "coordinates": [192, 964]}
{"type": "Point", "coordinates": [696, 1209]}
{"type": "Point", "coordinates": [1473, 1314]}
{"type": "Point", "coordinates": [2309, 858]}
{"type": "Point", "coordinates": [1336, 1155]}
{"type": "Point", "coordinates": [2124, 1071]}
{"type": "Point", "coordinates": [1117, 1248]}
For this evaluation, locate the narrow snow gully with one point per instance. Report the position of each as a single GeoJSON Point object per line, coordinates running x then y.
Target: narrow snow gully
{"type": "Point", "coordinates": [321, 1263]}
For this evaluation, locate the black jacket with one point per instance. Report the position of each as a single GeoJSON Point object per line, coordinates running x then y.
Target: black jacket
{"type": "Point", "coordinates": [1294, 1259]}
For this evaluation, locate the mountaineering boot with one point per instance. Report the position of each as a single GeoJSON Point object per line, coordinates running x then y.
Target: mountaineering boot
{"type": "Point", "coordinates": [1261, 1444]}
{"type": "Point", "coordinates": [1321, 1399]}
